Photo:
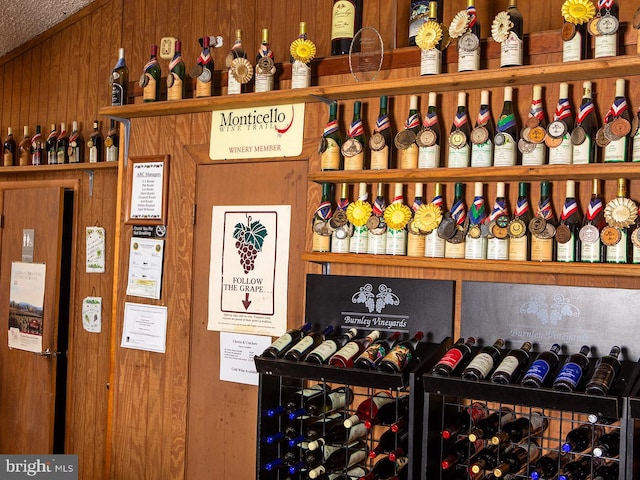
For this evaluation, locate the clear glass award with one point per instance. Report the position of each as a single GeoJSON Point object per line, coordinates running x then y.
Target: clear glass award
{"type": "Point", "coordinates": [366, 54]}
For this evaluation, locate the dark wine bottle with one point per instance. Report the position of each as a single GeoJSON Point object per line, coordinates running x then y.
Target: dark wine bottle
{"type": "Point", "coordinates": [52, 146]}
{"type": "Point", "coordinates": [265, 66]}
{"type": "Point", "coordinates": [583, 136]}
{"type": "Point", "coordinates": [346, 21]}
{"type": "Point", "coordinates": [390, 413]}
{"type": "Point", "coordinates": [240, 70]}
{"type": "Point", "coordinates": [175, 77]}
{"type": "Point", "coordinates": [333, 400]}
{"type": "Point", "coordinates": [401, 355]}
{"type": "Point", "coordinates": [487, 427]}
{"type": "Point", "coordinates": [459, 452]}
{"type": "Point", "coordinates": [371, 357]}
{"type": "Point", "coordinates": [405, 140]}
{"type": "Point", "coordinates": [486, 459]}
{"type": "Point", "coordinates": [381, 140]}
{"type": "Point", "coordinates": [96, 144]}
{"type": "Point", "coordinates": [604, 373]}
{"type": "Point", "coordinates": [368, 408]}
{"type": "Point", "coordinates": [287, 340]}
{"type": "Point", "coordinates": [509, 28]}
{"type": "Point", "coordinates": [455, 358]}
{"type": "Point", "coordinates": [608, 445]}
{"type": "Point", "coordinates": [505, 152]}
{"type": "Point", "coordinates": [468, 40]}
{"type": "Point", "coordinates": [76, 145]}
{"type": "Point", "coordinates": [463, 420]}
{"type": "Point", "coordinates": [432, 45]}
{"type": "Point", "coordinates": [548, 465]}
{"type": "Point", "coordinates": [331, 141]}
{"type": "Point", "coordinates": [10, 149]}
{"type": "Point", "coordinates": [150, 78]}
{"type": "Point", "coordinates": [119, 81]}
{"type": "Point", "coordinates": [575, 37]}
{"type": "Point", "coordinates": [38, 147]}
{"type": "Point", "coordinates": [567, 231]}
{"type": "Point", "coordinates": [112, 142]}
{"type": "Point", "coordinates": [454, 225]}
{"type": "Point", "coordinates": [340, 458]}
{"type": "Point", "coordinates": [580, 468]}
{"type": "Point", "coordinates": [581, 438]}
{"type": "Point", "coordinates": [523, 427]}
{"type": "Point", "coordinates": [591, 247]}
{"type": "Point", "coordinates": [390, 440]}
{"type": "Point", "coordinates": [326, 349]}
{"type": "Point", "coordinates": [517, 458]}
{"type": "Point", "coordinates": [62, 145]}
{"type": "Point", "coordinates": [300, 430]}
{"type": "Point", "coordinates": [572, 371]}
{"type": "Point", "coordinates": [512, 365]}
{"type": "Point", "coordinates": [304, 346]}
{"type": "Point", "coordinates": [607, 471]}
{"type": "Point", "coordinates": [484, 361]}
{"type": "Point", "coordinates": [353, 148]}
{"type": "Point", "coordinates": [346, 355]}
{"type": "Point", "coordinates": [519, 233]}
{"type": "Point", "coordinates": [386, 468]}
{"type": "Point", "coordinates": [24, 148]}
{"type": "Point", "coordinates": [204, 69]}
{"type": "Point", "coordinates": [541, 367]}
{"type": "Point", "coordinates": [295, 400]}
{"type": "Point", "coordinates": [339, 434]}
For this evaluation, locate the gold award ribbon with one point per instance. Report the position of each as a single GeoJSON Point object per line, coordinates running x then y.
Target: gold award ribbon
{"type": "Point", "coordinates": [429, 34]}
{"type": "Point", "coordinates": [358, 212]}
{"type": "Point", "coordinates": [459, 24]}
{"type": "Point", "coordinates": [501, 27]}
{"type": "Point", "coordinates": [621, 212]}
{"type": "Point", "coordinates": [397, 216]}
{"type": "Point", "coordinates": [302, 50]}
{"type": "Point", "coordinates": [427, 217]}
{"type": "Point", "coordinates": [241, 69]}
{"type": "Point", "coordinates": [578, 11]}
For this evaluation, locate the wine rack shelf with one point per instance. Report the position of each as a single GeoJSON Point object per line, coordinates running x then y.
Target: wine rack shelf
{"type": "Point", "coordinates": [57, 168]}
{"type": "Point", "coordinates": [526, 75]}
{"type": "Point", "coordinates": [596, 269]}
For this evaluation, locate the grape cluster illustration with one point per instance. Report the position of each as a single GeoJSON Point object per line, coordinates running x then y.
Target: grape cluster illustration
{"type": "Point", "coordinates": [249, 240]}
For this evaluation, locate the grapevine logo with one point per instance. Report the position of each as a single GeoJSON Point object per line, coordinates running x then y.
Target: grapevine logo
{"type": "Point", "coordinates": [560, 309]}
{"type": "Point", "coordinates": [375, 301]}
{"type": "Point", "coordinates": [249, 241]}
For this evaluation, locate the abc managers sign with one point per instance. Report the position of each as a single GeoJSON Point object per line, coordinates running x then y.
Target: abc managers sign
{"type": "Point", "coordinates": [257, 132]}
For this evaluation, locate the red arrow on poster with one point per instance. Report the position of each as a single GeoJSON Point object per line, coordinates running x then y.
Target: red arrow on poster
{"type": "Point", "coordinates": [246, 302]}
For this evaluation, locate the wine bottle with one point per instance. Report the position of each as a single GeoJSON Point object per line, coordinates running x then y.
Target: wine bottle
{"type": "Point", "coordinates": [433, 39]}
{"type": "Point", "coordinates": [342, 230]}
{"type": "Point", "coordinates": [324, 423]}
{"type": "Point", "coordinates": [331, 141]}
{"type": "Point", "coordinates": [487, 427]}
{"type": "Point", "coordinates": [484, 361]}
{"type": "Point", "coordinates": [591, 247]}
{"type": "Point", "coordinates": [607, 445]}
{"type": "Point", "coordinates": [95, 144]}
{"type": "Point", "coordinates": [428, 138]}
{"type": "Point", "coordinates": [76, 145]}
{"type": "Point", "coordinates": [498, 236]}
{"type": "Point", "coordinates": [346, 21]}
{"type": "Point", "coordinates": [397, 216]}
{"type": "Point", "coordinates": [580, 468]}
{"type": "Point", "coordinates": [508, 30]}
{"type": "Point", "coordinates": [306, 344]}
{"type": "Point", "coordinates": [265, 66]}
{"type": "Point", "coordinates": [521, 428]}
{"type": "Point", "coordinates": [390, 413]}
{"type": "Point", "coordinates": [339, 460]}
{"type": "Point", "coordinates": [454, 225]}
{"type": "Point", "coordinates": [415, 237]}
{"type": "Point", "coordinates": [376, 226]}
{"type": "Point", "coordinates": [614, 134]}
{"type": "Point", "coordinates": [486, 459]}
{"type": "Point", "coordinates": [482, 134]}
{"type": "Point", "coordinates": [351, 350]}
{"type": "Point", "coordinates": [315, 458]}
{"type": "Point", "coordinates": [548, 465]}
{"type": "Point", "coordinates": [358, 214]}
{"type": "Point", "coordinates": [401, 355]}
{"type": "Point", "coordinates": [455, 358]}
{"type": "Point", "coordinates": [239, 69]}
{"type": "Point", "coordinates": [542, 226]}
{"type": "Point", "coordinates": [386, 468]}
{"type": "Point", "coordinates": [382, 138]}
{"type": "Point", "coordinates": [583, 136]}
{"type": "Point", "coordinates": [635, 134]}
{"type": "Point", "coordinates": [52, 146]}
{"type": "Point", "coordinates": [463, 420]}
{"type": "Point", "coordinates": [567, 232]}
{"type": "Point", "coordinates": [545, 364]}
{"type": "Point", "coordinates": [531, 144]}
{"type": "Point", "coordinates": [391, 441]}
{"type": "Point", "coordinates": [320, 223]}
{"type": "Point", "coordinates": [466, 28]}
{"type": "Point", "coordinates": [339, 434]}
{"type": "Point", "coordinates": [519, 233]}
{"type": "Point", "coordinates": [607, 471]}
{"type": "Point", "coordinates": [62, 145]}
{"type": "Point", "coordinates": [10, 149]}
{"type": "Point", "coordinates": [582, 437]}
{"type": "Point", "coordinates": [354, 472]}
{"type": "Point", "coordinates": [368, 408]}
{"type": "Point", "coordinates": [38, 147]}
{"type": "Point", "coordinates": [302, 51]}
{"type": "Point", "coordinates": [112, 142]}
{"type": "Point", "coordinates": [604, 373]}
{"type": "Point", "coordinates": [607, 26]}
{"type": "Point", "coordinates": [203, 70]}
{"type": "Point", "coordinates": [337, 398]}
{"type": "Point", "coordinates": [517, 458]}
{"type": "Point", "coordinates": [512, 365]}
{"type": "Point", "coordinates": [418, 15]}
{"type": "Point", "coordinates": [505, 151]}
{"type": "Point", "coordinates": [293, 429]}
{"type": "Point", "coordinates": [575, 38]}
{"type": "Point", "coordinates": [285, 341]}
{"type": "Point", "coordinates": [405, 140]}
{"type": "Point", "coordinates": [175, 77]}
{"type": "Point", "coordinates": [353, 146]}
{"type": "Point", "coordinates": [295, 401]}
{"type": "Point", "coordinates": [459, 136]}
{"type": "Point", "coordinates": [24, 148]}
{"type": "Point", "coordinates": [150, 78]}
{"type": "Point", "coordinates": [434, 245]}
{"type": "Point", "coordinates": [371, 357]}
{"type": "Point", "coordinates": [459, 452]}
{"type": "Point", "coordinates": [476, 239]}
{"type": "Point", "coordinates": [558, 137]}
{"type": "Point", "coordinates": [119, 81]}
{"type": "Point", "coordinates": [572, 371]}
{"type": "Point", "coordinates": [616, 235]}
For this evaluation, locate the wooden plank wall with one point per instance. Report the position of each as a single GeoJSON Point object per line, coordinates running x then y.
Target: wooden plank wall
{"type": "Point", "coordinates": [62, 75]}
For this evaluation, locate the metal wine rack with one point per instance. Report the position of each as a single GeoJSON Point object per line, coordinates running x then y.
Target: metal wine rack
{"type": "Point", "coordinates": [444, 396]}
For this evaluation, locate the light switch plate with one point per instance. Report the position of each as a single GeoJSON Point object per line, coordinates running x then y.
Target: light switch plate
{"type": "Point", "coordinates": [167, 47]}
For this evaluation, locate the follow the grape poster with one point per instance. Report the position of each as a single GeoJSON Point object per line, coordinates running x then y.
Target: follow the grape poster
{"type": "Point", "coordinates": [249, 268]}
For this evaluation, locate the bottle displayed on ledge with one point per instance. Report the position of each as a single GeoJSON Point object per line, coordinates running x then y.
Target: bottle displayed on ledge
{"type": "Point", "coordinates": [429, 137]}
{"type": "Point", "coordinates": [455, 358]}
{"type": "Point", "coordinates": [285, 341]}
{"type": "Point", "coordinates": [505, 151]}
{"type": "Point", "coordinates": [463, 420]}
{"type": "Point", "coordinates": [453, 227]}
{"type": "Point", "coordinates": [342, 230]}
{"type": "Point", "coordinates": [175, 77]}
{"type": "Point", "coordinates": [476, 240]}
{"type": "Point", "coordinates": [591, 247]}
{"type": "Point", "coordinates": [606, 29]}
{"type": "Point", "coordinates": [558, 137]}
{"type": "Point", "coordinates": [376, 226]}
{"type": "Point", "coordinates": [498, 235]}
{"type": "Point", "coordinates": [76, 145]}
{"type": "Point", "coordinates": [369, 408]}
{"type": "Point", "coordinates": [351, 350]}
{"type": "Point", "coordinates": [605, 372]}
{"type": "Point", "coordinates": [323, 352]}
{"type": "Point", "coordinates": [10, 149]}
{"type": "Point", "coordinates": [331, 141]}
{"type": "Point", "coordinates": [405, 140]}
{"type": "Point", "coordinates": [575, 39]}
{"type": "Point", "coordinates": [567, 232]}
{"type": "Point", "coordinates": [521, 428]}
{"type": "Point", "coordinates": [396, 217]}
{"type": "Point", "coordinates": [433, 39]}
{"type": "Point", "coordinates": [320, 223]}
{"type": "Point", "coordinates": [459, 136]}
{"type": "Point", "coordinates": [112, 142]}
{"type": "Point", "coordinates": [62, 145]}
{"type": "Point", "coordinates": [346, 21]}
{"type": "Point", "coordinates": [487, 427]}
{"type": "Point", "coordinates": [508, 30]}
{"type": "Point", "coordinates": [265, 67]}
{"type": "Point", "coordinates": [354, 143]}
{"type": "Point", "coordinates": [434, 245]}
{"type": "Point", "coordinates": [466, 28]}
{"type": "Point", "coordinates": [302, 51]}
{"type": "Point", "coordinates": [24, 148]}
{"type": "Point", "coordinates": [418, 15]}
{"type": "Point", "coordinates": [531, 144]}
{"type": "Point", "coordinates": [203, 70]}
{"type": "Point", "coordinates": [38, 147]}
{"type": "Point", "coordinates": [613, 136]}
{"type": "Point", "coordinates": [95, 144]}
{"type": "Point", "coordinates": [548, 465]}
{"type": "Point", "coordinates": [545, 364]}
{"type": "Point", "coordinates": [483, 134]}
{"type": "Point", "coordinates": [306, 344]}
{"type": "Point", "coordinates": [358, 214]}
{"type": "Point", "coordinates": [543, 226]}
{"type": "Point", "coordinates": [381, 139]}
{"type": "Point", "coordinates": [519, 233]}
{"type": "Point", "coordinates": [517, 458]}
{"type": "Point", "coordinates": [484, 361]}
{"type": "Point", "coordinates": [239, 69]}
{"type": "Point", "coordinates": [119, 81]}
{"type": "Point", "coordinates": [583, 136]}
{"type": "Point", "coordinates": [416, 238]}
{"type": "Point", "coordinates": [512, 365]}
{"type": "Point", "coordinates": [581, 438]}
{"type": "Point", "coordinates": [401, 354]}
{"type": "Point", "coordinates": [150, 78]}
{"type": "Point", "coordinates": [572, 371]}
{"type": "Point", "coordinates": [371, 357]}
{"type": "Point", "coordinates": [52, 146]}
{"type": "Point", "coordinates": [616, 235]}
{"type": "Point", "coordinates": [608, 445]}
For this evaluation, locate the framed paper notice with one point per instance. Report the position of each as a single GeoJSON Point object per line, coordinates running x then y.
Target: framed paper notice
{"type": "Point", "coordinates": [147, 185]}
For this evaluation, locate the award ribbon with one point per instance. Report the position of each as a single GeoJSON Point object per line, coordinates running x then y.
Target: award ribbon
{"type": "Point", "coordinates": [438, 201]}
{"type": "Point", "coordinates": [416, 204]}
{"type": "Point", "coordinates": [536, 110]}
{"type": "Point", "coordinates": [545, 209]}
{"type": "Point", "coordinates": [330, 127]}
{"type": "Point", "coordinates": [617, 108]}
{"type": "Point", "coordinates": [483, 116]}
{"type": "Point", "coordinates": [499, 208]}
{"type": "Point", "coordinates": [506, 122]}
{"type": "Point", "coordinates": [382, 123]}
{"type": "Point", "coordinates": [203, 59]}
{"type": "Point", "coordinates": [563, 109]}
{"type": "Point", "coordinates": [569, 208]}
{"type": "Point", "coordinates": [378, 207]}
{"type": "Point", "coordinates": [412, 122]}
{"type": "Point", "coordinates": [477, 211]}
{"type": "Point", "coordinates": [342, 204]}
{"type": "Point", "coordinates": [595, 207]}
{"type": "Point", "coordinates": [430, 119]}
{"type": "Point", "coordinates": [522, 207]}
{"type": "Point", "coordinates": [175, 61]}
{"type": "Point", "coordinates": [583, 111]}
{"type": "Point", "coordinates": [473, 16]}
{"type": "Point", "coordinates": [356, 129]}
{"type": "Point", "coordinates": [458, 212]}
{"type": "Point", "coordinates": [53, 133]}
{"type": "Point", "coordinates": [35, 139]}
{"type": "Point", "coordinates": [151, 63]}
{"type": "Point", "coordinates": [324, 210]}
{"type": "Point", "coordinates": [460, 120]}
{"type": "Point", "coordinates": [606, 4]}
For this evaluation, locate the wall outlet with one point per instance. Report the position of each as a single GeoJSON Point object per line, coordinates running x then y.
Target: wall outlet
{"type": "Point", "coordinates": [167, 47]}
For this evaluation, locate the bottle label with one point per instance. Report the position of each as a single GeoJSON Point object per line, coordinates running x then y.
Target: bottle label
{"type": "Point", "coordinates": [149, 91]}
{"type": "Point", "coordinates": [429, 157]}
{"type": "Point", "coordinates": [321, 243]}
{"type": "Point", "coordinates": [117, 94]}
{"type": "Point", "coordinates": [234, 87]}
{"type": "Point", "coordinates": [508, 365]}
{"type": "Point", "coordinates": [330, 158]}
{"type": "Point", "coordinates": [52, 157]}
{"type": "Point", "coordinates": [303, 344]}
{"type": "Point", "coordinates": [459, 157]}
{"type": "Point", "coordinates": [434, 246]}
{"type": "Point", "coordinates": [112, 153]}
{"type": "Point", "coordinates": [454, 250]}
{"type": "Point", "coordinates": [376, 244]}
{"type": "Point", "coordinates": [590, 252]}
{"type": "Point", "coordinates": [408, 158]}
{"type": "Point", "coordinates": [561, 155]}
{"type": "Point", "coordinates": [349, 350]}
{"type": "Point", "coordinates": [538, 370]}
{"type": "Point", "coordinates": [263, 83]}
{"type": "Point", "coordinates": [415, 245]}
{"type": "Point", "coordinates": [373, 354]}
{"type": "Point", "coordinates": [359, 430]}
{"type": "Point", "coordinates": [566, 251]}
{"type": "Point", "coordinates": [535, 157]}
{"type": "Point", "coordinates": [570, 373]}
{"type": "Point", "coordinates": [505, 155]}
{"type": "Point", "coordinates": [355, 162]}
{"type": "Point", "coordinates": [325, 350]}
{"type": "Point", "coordinates": [418, 16]}
{"type": "Point", "coordinates": [396, 242]}
{"type": "Point", "coordinates": [618, 252]}
{"type": "Point", "coordinates": [582, 153]}
{"type": "Point", "coordinates": [399, 357]}
{"type": "Point", "coordinates": [282, 342]}
{"type": "Point", "coordinates": [572, 49]}
{"type": "Point", "coordinates": [482, 154]}
{"type": "Point", "coordinates": [518, 248]}
{"type": "Point", "coordinates": [498, 249]}
{"type": "Point", "coordinates": [343, 19]}
{"type": "Point", "coordinates": [475, 248]}
{"type": "Point", "coordinates": [340, 245]}
{"type": "Point", "coordinates": [635, 155]}
{"type": "Point", "coordinates": [605, 46]}
{"type": "Point", "coordinates": [174, 92]}
{"type": "Point", "coordinates": [300, 75]}
{"type": "Point", "coordinates": [203, 89]}
{"type": "Point", "coordinates": [337, 399]}
{"type": "Point", "coordinates": [74, 155]}
{"type": "Point", "coordinates": [452, 358]}
{"type": "Point", "coordinates": [360, 240]}
{"type": "Point", "coordinates": [511, 50]}
{"type": "Point", "coordinates": [93, 155]}
{"type": "Point", "coordinates": [430, 62]}
{"type": "Point", "coordinates": [541, 249]}
{"type": "Point", "coordinates": [8, 159]}
{"type": "Point", "coordinates": [468, 61]}
{"type": "Point", "coordinates": [379, 158]}
{"type": "Point", "coordinates": [483, 363]}
{"type": "Point", "coordinates": [636, 255]}
{"type": "Point", "coordinates": [616, 151]}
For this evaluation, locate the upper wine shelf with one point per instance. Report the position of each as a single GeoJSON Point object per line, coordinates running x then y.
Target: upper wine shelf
{"type": "Point", "coordinates": [609, 67]}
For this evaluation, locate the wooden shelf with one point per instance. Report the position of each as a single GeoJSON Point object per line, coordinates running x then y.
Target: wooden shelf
{"type": "Point", "coordinates": [611, 67]}
{"type": "Point", "coordinates": [545, 268]}
{"type": "Point", "coordinates": [61, 167]}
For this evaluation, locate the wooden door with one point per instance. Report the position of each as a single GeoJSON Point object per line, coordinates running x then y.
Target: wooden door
{"type": "Point", "coordinates": [28, 380]}
{"type": "Point", "coordinates": [221, 434]}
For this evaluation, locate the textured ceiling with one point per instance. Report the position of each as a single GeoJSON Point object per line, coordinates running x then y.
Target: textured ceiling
{"type": "Point", "coordinates": [22, 20]}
